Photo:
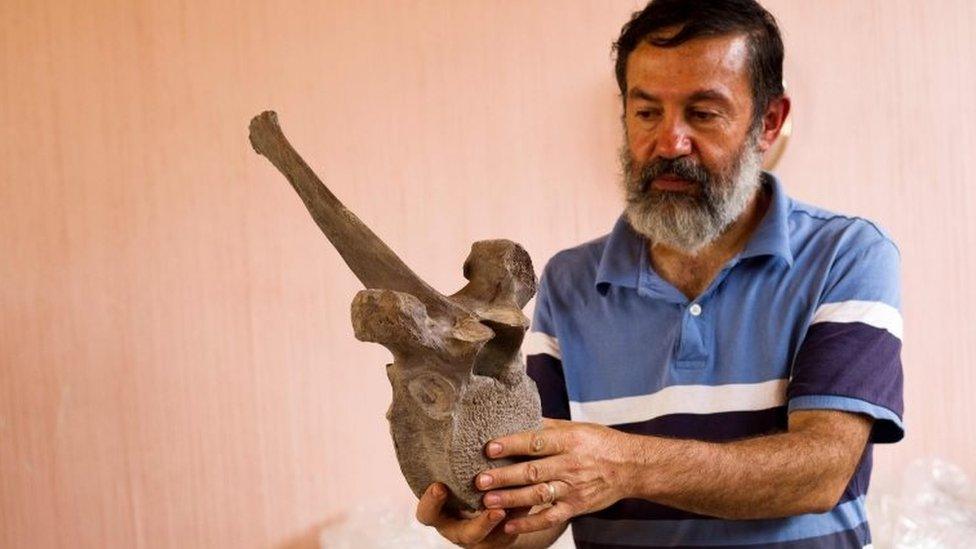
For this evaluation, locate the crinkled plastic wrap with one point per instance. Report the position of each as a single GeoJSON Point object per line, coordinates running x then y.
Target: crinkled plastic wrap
{"type": "Point", "coordinates": [935, 508]}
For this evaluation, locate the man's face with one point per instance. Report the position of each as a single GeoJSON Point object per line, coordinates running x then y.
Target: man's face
{"type": "Point", "coordinates": [692, 159]}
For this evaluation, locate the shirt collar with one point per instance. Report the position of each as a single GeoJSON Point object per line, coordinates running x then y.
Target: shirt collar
{"type": "Point", "coordinates": [772, 236]}
{"type": "Point", "coordinates": [622, 257]}
{"type": "Point", "coordinates": [626, 251]}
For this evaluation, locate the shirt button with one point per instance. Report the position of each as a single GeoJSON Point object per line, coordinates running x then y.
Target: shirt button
{"type": "Point", "coordinates": [695, 309]}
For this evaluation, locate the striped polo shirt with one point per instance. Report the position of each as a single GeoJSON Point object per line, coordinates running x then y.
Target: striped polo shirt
{"type": "Point", "coordinates": [807, 316]}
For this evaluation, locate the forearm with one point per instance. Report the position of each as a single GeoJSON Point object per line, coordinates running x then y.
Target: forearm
{"type": "Point", "coordinates": [770, 476]}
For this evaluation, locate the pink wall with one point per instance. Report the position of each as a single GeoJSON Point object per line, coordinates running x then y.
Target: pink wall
{"type": "Point", "coordinates": [177, 366]}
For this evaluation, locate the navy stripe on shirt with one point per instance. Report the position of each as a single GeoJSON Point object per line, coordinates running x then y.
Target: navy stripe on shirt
{"type": "Point", "coordinates": [858, 536]}
{"type": "Point", "coordinates": [853, 360]}
{"type": "Point", "coordinates": [547, 373]}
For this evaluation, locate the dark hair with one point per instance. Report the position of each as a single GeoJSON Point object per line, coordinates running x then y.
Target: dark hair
{"type": "Point", "coordinates": [710, 18]}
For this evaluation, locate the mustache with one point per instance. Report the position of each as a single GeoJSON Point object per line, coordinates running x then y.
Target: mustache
{"type": "Point", "coordinates": [682, 167]}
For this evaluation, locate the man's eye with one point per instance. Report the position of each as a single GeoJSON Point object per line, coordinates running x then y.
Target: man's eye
{"type": "Point", "coordinates": [703, 116]}
{"type": "Point", "coordinates": [646, 114]}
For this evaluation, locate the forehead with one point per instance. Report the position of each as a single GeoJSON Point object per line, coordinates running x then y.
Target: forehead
{"type": "Point", "coordinates": [711, 62]}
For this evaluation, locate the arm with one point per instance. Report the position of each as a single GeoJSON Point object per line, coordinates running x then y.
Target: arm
{"type": "Point", "coordinates": [804, 470]}
{"type": "Point", "coordinates": [591, 467]}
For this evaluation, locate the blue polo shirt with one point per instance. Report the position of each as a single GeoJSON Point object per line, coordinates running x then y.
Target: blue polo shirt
{"type": "Point", "coordinates": [807, 316]}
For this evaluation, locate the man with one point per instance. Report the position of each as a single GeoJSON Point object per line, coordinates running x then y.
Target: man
{"type": "Point", "coordinates": [727, 355]}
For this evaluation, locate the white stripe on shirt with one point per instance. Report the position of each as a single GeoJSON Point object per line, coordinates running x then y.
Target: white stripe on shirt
{"type": "Point", "coordinates": [682, 399]}
{"type": "Point", "coordinates": [537, 343]}
{"type": "Point", "coordinates": [872, 313]}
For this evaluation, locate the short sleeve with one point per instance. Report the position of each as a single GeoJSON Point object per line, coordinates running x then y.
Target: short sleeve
{"type": "Point", "coordinates": [850, 358]}
{"type": "Point", "coordinates": [543, 358]}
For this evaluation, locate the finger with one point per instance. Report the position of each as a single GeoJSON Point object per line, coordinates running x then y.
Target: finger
{"type": "Point", "coordinates": [498, 537]}
{"type": "Point", "coordinates": [475, 530]}
{"type": "Point", "coordinates": [521, 474]}
{"type": "Point", "coordinates": [557, 514]}
{"type": "Point", "coordinates": [542, 442]}
{"type": "Point", "coordinates": [517, 512]}
{"type": "Point", "coordinates": [430, 511]}
{"type": "Point", "coordinates": [536, 494]}
{"type": "Point", "coordinates": [431, 504]}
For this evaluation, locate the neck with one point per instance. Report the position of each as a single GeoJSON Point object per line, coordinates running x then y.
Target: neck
{"type": "Point", "coordinates": [691, 273]}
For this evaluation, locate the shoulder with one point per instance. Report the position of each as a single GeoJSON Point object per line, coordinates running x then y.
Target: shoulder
{"type": "Point", "coordinates": [572, 271]}
{"type": "Point", "coordinates": [842, 233]}
{"type": "Point", "coordinates": [577, 263]}
{"type": "Point", "coordinates": [860, 258]}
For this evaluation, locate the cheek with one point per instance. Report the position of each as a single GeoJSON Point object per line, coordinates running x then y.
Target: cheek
{"type": "Point", "coordinates": [716, 155]}
{"type": "Point", "coordinates": [718, 165]}
{"type": "Point", "coordinates": [640, 141]}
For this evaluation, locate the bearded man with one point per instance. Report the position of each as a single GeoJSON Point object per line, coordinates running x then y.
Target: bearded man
{"type": "Point", "coordinates": [718, 367]}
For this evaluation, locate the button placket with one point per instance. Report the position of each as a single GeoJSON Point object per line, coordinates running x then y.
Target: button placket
{"type": "Point", "coordinates": [692, 351]}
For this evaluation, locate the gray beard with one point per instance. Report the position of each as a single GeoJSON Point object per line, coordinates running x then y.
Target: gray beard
{"type": "Point", "coordinates": [686, 222]}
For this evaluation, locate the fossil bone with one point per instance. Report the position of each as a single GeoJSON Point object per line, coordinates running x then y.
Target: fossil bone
{"type": "Point", "coordinates": [458, 377]}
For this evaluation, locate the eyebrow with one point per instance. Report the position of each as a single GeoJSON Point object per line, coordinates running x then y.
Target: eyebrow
{"type": "Point", "coordinates": [637, 93]}
{"type": "Point", "coordinates": [700, 95]}
{"type": "Point", "coordinates": [710, 95]}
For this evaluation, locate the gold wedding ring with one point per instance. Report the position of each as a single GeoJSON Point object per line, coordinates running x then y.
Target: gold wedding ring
{"type": "Point", "coordinates": [552, 492]}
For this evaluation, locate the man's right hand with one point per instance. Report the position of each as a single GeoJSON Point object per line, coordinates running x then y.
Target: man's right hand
{"type": "Point", "coordinates": [477, 532]}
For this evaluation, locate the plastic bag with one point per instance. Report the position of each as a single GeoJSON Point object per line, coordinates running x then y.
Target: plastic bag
{"type": "Point", "coordinates": [934, 508]}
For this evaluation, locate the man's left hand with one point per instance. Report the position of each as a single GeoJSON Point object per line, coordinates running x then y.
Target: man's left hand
{"type": "Point", "coordinates": [581, 468]}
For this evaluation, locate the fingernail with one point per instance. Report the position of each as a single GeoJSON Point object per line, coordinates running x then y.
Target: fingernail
{"type": "Point", "coordinates": [492, 500]}
{"type": "Point", "coordinates": [494, 448]}
{"type": "Point", "coordinates": [496, 515]}
{"type": "Point", "coordinates": [509, 528]}
{"type": "Point", "coordinates": [437, 491]}
{"type": "Point", "coordinates": [484, 481]}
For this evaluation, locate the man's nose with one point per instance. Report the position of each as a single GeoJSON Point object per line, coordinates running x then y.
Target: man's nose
{"type": "Point", "coordinates": [674, 140]}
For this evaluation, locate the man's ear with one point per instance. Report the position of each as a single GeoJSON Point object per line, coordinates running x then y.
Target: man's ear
{"type": "Point", "coordinates": [773, 120]}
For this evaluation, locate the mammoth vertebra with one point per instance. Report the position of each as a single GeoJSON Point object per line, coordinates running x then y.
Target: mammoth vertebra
{"type": "Point", "coordinates": [457, 374]}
